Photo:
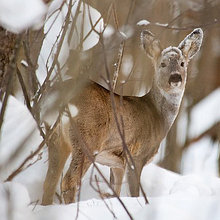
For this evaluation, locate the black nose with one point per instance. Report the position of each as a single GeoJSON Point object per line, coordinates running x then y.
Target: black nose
{"type": "Point", "coordinates": [175, 78]}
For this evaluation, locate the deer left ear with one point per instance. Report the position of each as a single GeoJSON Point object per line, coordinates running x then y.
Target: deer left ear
{"type": "Point", "coordinates": [192, 43]}
{"type": "Point", "coordinates": [150, 44]}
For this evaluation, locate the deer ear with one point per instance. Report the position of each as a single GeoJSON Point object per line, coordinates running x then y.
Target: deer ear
{"type": "Point", "coordinates": [150, 44]}
{"type": "Point", "coordinates": [192, 43]}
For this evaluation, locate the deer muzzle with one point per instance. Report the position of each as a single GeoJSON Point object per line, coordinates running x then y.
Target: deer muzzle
{"type": "Point", "coordinates": [175, 80]}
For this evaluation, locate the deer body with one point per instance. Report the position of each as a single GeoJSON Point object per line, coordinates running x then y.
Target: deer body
{"type": "Point", "coordinates": [146, 121]}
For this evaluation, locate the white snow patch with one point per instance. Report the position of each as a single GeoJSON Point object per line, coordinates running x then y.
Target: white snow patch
{"type": "Point", "coordinates": [201, 158]}
{"type": "Point", "coordinates": [73, 110]}
{"type": "Point", "coordinates": [171, 196]}
{"type": "Point", "coordinates": [19, 130]}
{"type": "Point", "coordinates": [18, 15]}
{"type": "Point", "coordinates": [205, 114]}
{"type": "Point", "coordinates": [191, 184]}
{"type": "Point", "coordinates": [109, 31]}
{"type": "Point", "coordinates": [143, 22]}
{"type": "Point", "coordinates": [127, 65]}
{"type": "Point", "coordinates": [24, 63]}
{"type": "Point", "coordinates": [161, 25]}
{"type": "Point", "coordinates": [123, 35]}
{"type": "Point", "coordinates": [53, 28]}
{"type": "Point", "coordinates": [14, 201]}
{"type": "Point", "coordinates": [157, 181]}
{"type": "Point", "coordinates": [126, 31]}
{"type": "Point", "coordinates": [171, 50]}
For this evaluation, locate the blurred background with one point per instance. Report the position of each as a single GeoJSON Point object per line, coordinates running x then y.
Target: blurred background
{"type": "Point", "coordinates": [81, 40]}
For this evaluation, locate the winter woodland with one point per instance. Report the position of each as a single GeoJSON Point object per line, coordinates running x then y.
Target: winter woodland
{"type": "Point", "coordinates": [49, 48]}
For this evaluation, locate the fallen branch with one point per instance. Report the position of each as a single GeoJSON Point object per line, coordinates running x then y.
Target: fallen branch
{"type": "Point", "coordinates": [212, 131]}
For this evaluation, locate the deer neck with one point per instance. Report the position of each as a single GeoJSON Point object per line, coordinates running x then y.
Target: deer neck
{"type": "Point", "coordinates": [167, 104]}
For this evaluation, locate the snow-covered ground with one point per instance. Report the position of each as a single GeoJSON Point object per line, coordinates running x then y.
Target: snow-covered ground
{"type": "Point", "coordinates": [171, 196]}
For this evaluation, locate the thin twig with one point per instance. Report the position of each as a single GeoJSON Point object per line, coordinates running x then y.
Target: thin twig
{"type": "Point", "coordinates": [118, 64]}
{"type": "Point", "coordinates": [31, 68]}
{"type": "Point", "coordinates": [103, 199]}
{"type": "Point", "coordinates": [125, 147]}
{"type": "Point", "coordinates": [211, 131]}
{"type": "Point", "coordinates": [91, 24]}
{"type": "Point", "coordinates": [132, 5]}
{"type": "Point", "coordinates": [23, 87]}
{"type": "Point", "coordinates": [74, 22]}
{"type": "Point", "coordinates": [90, 156]}
{"type": "Point", "coordinates": [18, 150]}
{"type": "Point", "coordinates": [41, 145]}
{"type": "Point", "coordinates": [55, 60]}
{"type": "Point", "coordinates": [115, 16]}
{"type": "Point", "coordinates": [166, 26]}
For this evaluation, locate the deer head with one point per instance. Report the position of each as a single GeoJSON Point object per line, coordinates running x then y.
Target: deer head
{"type": "Point", "coordinates": [171, 63]}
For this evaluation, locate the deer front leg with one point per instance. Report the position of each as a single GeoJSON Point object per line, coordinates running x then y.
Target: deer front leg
{"type": "Point", "coordinates": [116, 177]}
{"type": "Point", "coordinates": [58, 153]}
{"type": "Point", "coordinates": [133, 176]}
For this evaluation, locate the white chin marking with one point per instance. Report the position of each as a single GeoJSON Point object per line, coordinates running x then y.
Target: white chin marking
{"type": "Point", "coordinates": [175, 84]}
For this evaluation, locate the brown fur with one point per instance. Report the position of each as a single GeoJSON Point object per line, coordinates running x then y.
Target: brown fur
{"type": "Point", "coordinates": [146, 120]}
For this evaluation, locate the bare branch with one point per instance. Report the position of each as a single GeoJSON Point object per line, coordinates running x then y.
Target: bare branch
{"type": "Point", "coordinates": [42, 144]}
{"type": "Point", "coordinates": [130, 160]}
{"type": "Point", "coordinates": [89, 155]}
{"type": "Point", "coordinates": [210, 132]}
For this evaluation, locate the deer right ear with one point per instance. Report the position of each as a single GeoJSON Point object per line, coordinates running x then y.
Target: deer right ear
{"type": "Point", "coordinates": [192, 43]}
{"type": "Point", "coordinates": [150, 44]}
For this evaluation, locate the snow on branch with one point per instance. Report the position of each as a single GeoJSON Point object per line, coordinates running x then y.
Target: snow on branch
{"type": "Point", "coordinates": [18, 15]}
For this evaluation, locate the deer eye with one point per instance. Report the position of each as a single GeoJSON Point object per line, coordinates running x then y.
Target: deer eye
{"type": "Point", "coordinates": [163, 65]}
{"type": "Point", "coordinates": [182, 64]}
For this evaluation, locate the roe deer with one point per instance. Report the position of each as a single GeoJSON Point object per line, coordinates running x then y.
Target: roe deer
{"type": "Point", "coordinates": [147, 121]}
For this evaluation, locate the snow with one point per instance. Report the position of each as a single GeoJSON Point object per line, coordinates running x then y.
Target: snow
{"type": "Point", "coordinates": [171, 195]}
{"type": "Point", "coordinates": [201, 157]}
{"type": "Point", "coordinates": [207, 109]}
{"type": "Point", "coordinates": [171, 49]}
{"type": "Point", "coordinates": [18, 126]}
{"type": "Point", "coordinates": [53, 29]}
{"type": "Point", "coordinates": [194, 195]}
{"type": "Point", "coordinates": [127, 65]}
{"type": "Point", "coordinates": [18, 15]}
{"type": "Point", "coordinates": [161, 25]}
{"type": "Point", "coordinates": [143, 22]}
{"type": "Point", "coordinates": [73, 110]}
{"type": "Point", "coordinates": [109, 31]}
{"type": "Point", "coordinates": [184, 197]}
{"type": "Point", "coordinates": [126, 31]}
{"type": "Point", "coordinates": [14, 202]}
{"type": "Point", "coordinates": [24, 63]}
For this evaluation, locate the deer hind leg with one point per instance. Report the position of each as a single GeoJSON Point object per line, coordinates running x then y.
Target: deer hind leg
{"type": "Point", "coordinates": [117, 166]}
{"type": "Point", "coordinates": [78, 167]}
{"type": "Point", "coordinates": [58, 153]}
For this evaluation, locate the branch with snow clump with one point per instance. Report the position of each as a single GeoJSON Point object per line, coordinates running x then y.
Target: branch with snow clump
{"type": "Point", "coordinates": [18, 15]}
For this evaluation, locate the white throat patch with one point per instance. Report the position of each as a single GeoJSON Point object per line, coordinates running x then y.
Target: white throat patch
{"type": "Point", "coordinates": [175, 97]}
